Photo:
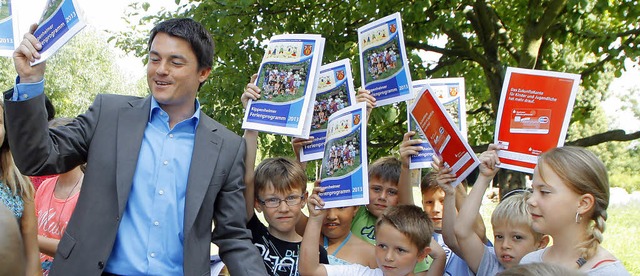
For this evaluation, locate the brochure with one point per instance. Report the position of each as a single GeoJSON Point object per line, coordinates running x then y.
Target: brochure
{"type": "Point", "coordinates": [335, 91]}
{"type": "Point", "coordinates": [533, 115]}
{"type": "Point", "coordinates": [288, 78]}
{"type": "Point", "coordinates": [344, 171]}
{"type": "Point", "coordinates": [451, 93]}
{"type": "Point", "coordinates": [443, 135]}
{"type": "Point", "coordinates": [384, 67]}
{"type": "Point", "coordinates": [60, 21]}
{"type": "Point", "coordinates": [9, 36]}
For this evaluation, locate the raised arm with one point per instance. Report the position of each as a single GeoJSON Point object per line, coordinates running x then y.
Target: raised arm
{"type": "Point", "coordinates": [365, 96]}
{"type": "Point", "coordinates": [439, 257]}
{"type": "Point", "coordinates": [444, 178]}
{"type": "Point", "coordinates": [473, 248]}
{"type": "Point", "coordinates": [297, 144]}
{"type": "Point", "coordinates": [408, 147]}
{"type": "Point", "coordinates": [26, 53]}
{"type": "Point", "coordinates": [252, 92]}
{"type": "Point", "coordinates": [309, 261]}
{"type": "Point", "coordinates": [479, 228]}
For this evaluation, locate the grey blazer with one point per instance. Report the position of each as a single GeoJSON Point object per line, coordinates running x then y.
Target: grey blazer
{"type": "Point", "coordinates": [108, 137]}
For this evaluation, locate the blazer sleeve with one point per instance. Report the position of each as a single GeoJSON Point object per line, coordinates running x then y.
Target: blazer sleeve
{"type": "Point", "coordinates": [237, 251]}
{"type": "Point", "coordinates": [36, 149]}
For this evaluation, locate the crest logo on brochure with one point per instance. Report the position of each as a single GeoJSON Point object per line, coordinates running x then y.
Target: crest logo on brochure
{"type": "Point", "coordinates": [340, 126]}
{"type": "Point", "coordinates": [392, 28]}
{"type": "Point", "coordinates": [356, 119]}
{"type": "Point", "coordinates": [376, 36]}
{"type": "Point", "coordinates": [307, 49]}
{"type": "Point", "coordinates": [283, 51]}
{"type": "Point", "coordinates": [453, 91]}
{"type": "Point", "coordinates": [340, 75]}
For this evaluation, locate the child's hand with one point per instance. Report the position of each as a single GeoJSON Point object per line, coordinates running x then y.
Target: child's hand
{"type": "Point", "coordinates": [409, 147]}
{"type": "Point", "coordinates": [444, 178]}
{"type": "Point", "coordinates": [365, 96]}
{"type": "Point", "coordinates": [251, 91]}
{"type": "Point", "coordinates": [315, 201]}
{"type": "Point", "coordinates": [298, 143]}
{"type": "Point", "coordinates": [489, 161]}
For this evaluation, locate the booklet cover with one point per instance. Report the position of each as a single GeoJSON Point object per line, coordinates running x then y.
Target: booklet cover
{"type": "Point", "coordinates": [384, 67]}
{"type": "Point", "coordinates": [335, 91]}
{"type": "Point", "coordinates": [451, 93]}
{"type": "Point", "coordinates": [533, 115]}
{"type": "Point", "coordinates": [344, 171]}
{"type": "Point", "coordinates": [60, 21]}
{"type": "Point", "coordinates": [9, 36]}
{"type": "Point", "coordinates": [288, 78]}
{"type": "Point", "coordinates": [443, 135]}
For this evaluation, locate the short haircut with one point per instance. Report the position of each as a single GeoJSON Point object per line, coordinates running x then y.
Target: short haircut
{"type": "Point", "coordinates": [282, 174]}
{"type": "Point", "coordinates": [513, 211]}
{"type": "Point", "coordinates": [386, 169]}
{"type": "Point", "coordinates": [539, 269]}
{"type": "Point", "coordinates": [191, 31]}
{"type": "Point", "coordinates": [428, 182]}
{"type": "Point", "coordinates": [411, 221]}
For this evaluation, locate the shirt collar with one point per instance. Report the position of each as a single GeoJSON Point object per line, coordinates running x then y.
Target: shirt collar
{"type": "Point", "coordinates": [156, 109]}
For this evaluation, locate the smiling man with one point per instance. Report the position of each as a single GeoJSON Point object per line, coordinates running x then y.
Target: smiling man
{"type": "Point", "coordinates": [159, 171]}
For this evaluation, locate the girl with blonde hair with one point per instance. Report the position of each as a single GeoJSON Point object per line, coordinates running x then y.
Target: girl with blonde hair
{"type": "Point", "coordinates": [16, 193]}
{"type": "Point", "coordinates": [569, 202]}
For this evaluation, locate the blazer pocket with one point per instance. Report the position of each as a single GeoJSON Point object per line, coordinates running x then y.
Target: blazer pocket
{"type": "Point", "coordinates": [66, 245]}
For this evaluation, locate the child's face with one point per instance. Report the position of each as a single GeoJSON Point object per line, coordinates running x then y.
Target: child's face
{"type": "Point", "coordinates": [281, 219]}
{"type": "Point", "coordinates": [337, 223]}
{"type": "Point", "coordinates": [432, 204]}
{"type": "Point", "coordinates": [395, 253]}
{"type": "Point", "coordinates": [382, 194]}
{"type": "Point", "coordinates": [512, 242]}
{"type": "Point", "coordinates": [552, 204]}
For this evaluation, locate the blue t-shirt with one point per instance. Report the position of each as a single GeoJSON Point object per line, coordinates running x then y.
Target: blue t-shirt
{"type": "Point", "coordinates": [455, 265]}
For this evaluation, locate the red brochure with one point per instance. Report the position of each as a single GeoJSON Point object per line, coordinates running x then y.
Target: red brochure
{"type": "Point", "coordinates": [533, 116]}
{"type": "Point", "coordinates": [443, 135]}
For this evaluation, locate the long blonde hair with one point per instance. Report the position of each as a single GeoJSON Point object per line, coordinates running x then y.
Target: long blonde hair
{"type": "Point", "coordinates": [11, 176]}
{"type": "Point", "coordinates": [584, 173]}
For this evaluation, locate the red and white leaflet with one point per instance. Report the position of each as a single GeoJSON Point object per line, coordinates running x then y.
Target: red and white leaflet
{"type": "Point", "coordinates": [443, 134]}
{"type": "Point", "coordinates": [533, 115]}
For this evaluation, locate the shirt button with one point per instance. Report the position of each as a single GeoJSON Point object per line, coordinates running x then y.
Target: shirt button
{"type": "Point", "coordinates": [171, 135]}
{"type": "Point", "coordinates": [165, 162]}
{"type": "Point", "coordinates": [25, 96]}
{"type": "Point", "coordinates": [161, 192]}
{"type": "Point", "coordinates": [156, 223]}
{"type": "Point", "coordinates": [153, 255]}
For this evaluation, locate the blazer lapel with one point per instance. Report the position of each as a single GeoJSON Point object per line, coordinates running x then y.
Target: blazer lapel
{"type": "Point", "coordinates": [203, 163]}
{"type": "Point", "coordinates": [132, 121]}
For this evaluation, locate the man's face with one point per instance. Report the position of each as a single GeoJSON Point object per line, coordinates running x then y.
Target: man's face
{"type": "Point", "coordinates": [173, 75]}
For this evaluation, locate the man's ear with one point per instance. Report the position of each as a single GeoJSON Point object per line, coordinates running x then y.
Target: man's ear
{"type": "Point", "coordinates": [203, 74]}
{"type": "Point", "coordinates": [544, 241]}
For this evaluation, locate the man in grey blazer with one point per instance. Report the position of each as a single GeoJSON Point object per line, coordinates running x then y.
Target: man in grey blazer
{"type": "Point", "coordinates": [159, 171]}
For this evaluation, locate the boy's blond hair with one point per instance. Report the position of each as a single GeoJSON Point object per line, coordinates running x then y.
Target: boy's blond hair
{"type": "Point", "coordinates": [282, 173]}
{"type": "Point", "coordinates": [411, 221]}
{"type": "Point", "coordinates": [386, 169]}
{"type": "Point", "coordinates": [513, 211]}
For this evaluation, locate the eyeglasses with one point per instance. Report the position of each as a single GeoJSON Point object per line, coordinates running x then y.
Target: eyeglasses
{"type": "Point", "coordinates": [274, 202]}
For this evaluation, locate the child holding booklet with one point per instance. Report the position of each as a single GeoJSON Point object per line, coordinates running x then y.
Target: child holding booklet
{"type": "Point", "coordinates": [569, 202]}
{"type": "Point", "coordinates": [403, 239]}
{"type": "Point", "coordinates": [513, 235]}
{"type": "Point", "coordinates": [277, 187]}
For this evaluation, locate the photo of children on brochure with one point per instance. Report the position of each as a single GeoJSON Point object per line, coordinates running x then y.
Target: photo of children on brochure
{"type": "Point", "coordinates": [383, 61]}
{"type": "Point", "coordinates": [328, 103]}
{"type": "Point", "coordinates": [283, 82]}
{"type": "Point", "coordinates": [5, 12]}
{"type": "Point", "coordinates": [342, 155]}
{"type": "Point", "coordinates": [50, 9]}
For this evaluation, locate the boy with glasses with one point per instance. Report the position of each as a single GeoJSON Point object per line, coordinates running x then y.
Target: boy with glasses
{"type": "Point", "coordinates": [278, 189]}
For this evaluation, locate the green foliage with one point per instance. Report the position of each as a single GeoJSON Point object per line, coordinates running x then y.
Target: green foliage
{"type": "Point", "coordinates": [591, 38]}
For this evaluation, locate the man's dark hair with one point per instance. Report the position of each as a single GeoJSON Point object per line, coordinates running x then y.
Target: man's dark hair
{"type": "Point", "coordinates": [191, 31]}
